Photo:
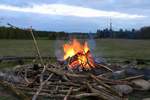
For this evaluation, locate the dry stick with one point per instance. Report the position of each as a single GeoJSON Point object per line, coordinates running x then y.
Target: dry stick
{"type": "Point", "coordinates": [79, 96]}
{"type": "Point", "coordinates": [72, 97]}
{"type": "Point", "coordinates": [36, 46]}
{"type": "Point", "coordinates": [95, 91]}
{"type": "Point", "coordinates": [48, 90]}
{"type": "Point", "coordinates": [44, 69]}
{"type": "Point", "coordinates": [103, 95]}
{"type": "Point", "coordinates": [64, 83]}
{"type": "Point", "coordinates": [39, 54]}
{"type": "Point", "coordinates": [69, 92]}
{"type": "Point", "coordinates": [25, 77]}
{"type": "Point", "coordinates": [110, 81]}
{"type": "Point", "coordinates": [61, 73]}
{"type": "Point", "coordinates": [17, 92]}
{"type": "Point", "coordinates": [132, 78]}
{"type": "Point", "coordinates": [41, 86]}
{"type": "Point", "coordinates": [105, 85]}
{"type": "Point", "coordinates": [105, 67]}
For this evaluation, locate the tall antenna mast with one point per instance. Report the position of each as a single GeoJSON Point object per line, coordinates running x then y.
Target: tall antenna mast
{"type": "Point", "coordinates": [110, 27]}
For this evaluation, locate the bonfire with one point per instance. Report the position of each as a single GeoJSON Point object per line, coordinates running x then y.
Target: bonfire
{"type": "Point", "coordinates": [78, 55]}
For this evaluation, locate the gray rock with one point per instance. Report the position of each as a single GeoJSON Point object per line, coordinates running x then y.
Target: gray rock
{"type": "Point", "coordinates": [146, 99]}
{"type": "Point", "coordinates": [118, 74]}
{"type": "Point", "coordinates": [124, 89]}
{"type": "Point", "coordinates": [133, 71]}
{"type": "Point", "coordinates": [10, 77]}
{"type": "Point", "coordinates": [143, 84]}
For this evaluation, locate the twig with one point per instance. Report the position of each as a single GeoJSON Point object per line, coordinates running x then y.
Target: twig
{"type": "Point", "coordinates": [25, 77]}
{"type": "Point", "coordinates": [41, 86]}
{"type": "Point", "coordinates": [62, 73]}
{"type": "Point", "coordinates": [72, 97]}
{"type": "Point", "coordinates": [17, 92]}
{"type": "Point", "coordinates": [69, 92]}
{"type": "Point", "coordinates": [39, 54]}
{"type": "Point", "coordinates": [132, 78]}
{"type": "Point", "coordinates": [100, 65]}
{"type": "Point", "coordinates": [82, 95]}
{"type": "Point", "coordinates": [36, 46]}
{"type": "Point", "coordinates": [103, 95]}
{"type": "Point", "coordinates": [105, 85]}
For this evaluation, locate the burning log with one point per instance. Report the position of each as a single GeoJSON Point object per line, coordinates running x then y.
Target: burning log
{"type": "Point", "coordinates": [78, 55]}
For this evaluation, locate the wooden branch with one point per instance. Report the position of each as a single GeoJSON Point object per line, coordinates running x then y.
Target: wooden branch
{"type": "Point", "coordinates": [39, 54]}
{"type": "Point", "coordinates": [72, 97]}
{"type": "Point", "coordinates": [62, 73]}
{"type": "Point", "coordinates": [69, 92]}
{"type": "Point", "coordinates": [103, 95]}
{"type": "Point", "coordinates": [64, 83]}
{"type": "Point", "coordinates": [15, 91]}
{"type": "Point", "coordinates": [40, 87]}
{"type": "Point", "coordinates": [100, 65]}
{"type": "Point", "coordinates": [113, 82]}
{"type": "Point", "coordinates": [132, 78]}
{"type": "Point", "coordinates": [76, 90]}
{"type": "Point", "coordinates": [105, 85]}
{"type": "Point", "coordinates": [25, 77]}
{"type": "Point", "coordinates": [83, 95]}
{"type": "Point", "coordinates": [96, 91]}
{"type": "Point", "coordinates": [36, 46]}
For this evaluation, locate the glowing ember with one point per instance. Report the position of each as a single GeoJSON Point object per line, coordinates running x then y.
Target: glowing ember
{"type": "Point", "coordinates": [78, 55]}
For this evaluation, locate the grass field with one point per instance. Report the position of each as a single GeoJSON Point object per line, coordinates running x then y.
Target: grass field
{"type": "Point", "coordinates": [113, 48]}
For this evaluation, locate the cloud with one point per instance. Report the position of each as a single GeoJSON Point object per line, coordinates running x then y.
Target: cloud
{"type": "Point", "coordinates": [70, 10]}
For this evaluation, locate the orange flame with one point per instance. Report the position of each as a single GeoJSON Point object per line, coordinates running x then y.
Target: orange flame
{"type": "Point", "coordinates": [81, 54]}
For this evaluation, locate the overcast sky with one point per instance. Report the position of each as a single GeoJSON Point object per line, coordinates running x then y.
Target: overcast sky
{"type": "Point", "coordinates": [75, 15]}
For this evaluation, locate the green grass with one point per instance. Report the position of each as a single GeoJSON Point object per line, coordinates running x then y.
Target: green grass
{"type": "Point", "coordinates": [113, 48]}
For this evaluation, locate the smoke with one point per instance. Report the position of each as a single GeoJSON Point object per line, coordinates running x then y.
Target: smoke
{"type": "Point", "coordinates": [59, 49]}
{"type": "Point", "coordinates": [98, 57]}
{"type": "Point", "coordinates": [91, 42]}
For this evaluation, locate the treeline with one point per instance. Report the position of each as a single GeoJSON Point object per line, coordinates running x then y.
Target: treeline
{"type": "Point", "coordinates": [18, 33]}
{"type": "Point", "coordinates": [143, 33]}
{"type": "Point", "coordinates": [13, 33]}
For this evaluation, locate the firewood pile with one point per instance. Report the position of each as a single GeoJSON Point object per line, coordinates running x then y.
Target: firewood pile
{"type": "Point", "coordinates": [56, 82]}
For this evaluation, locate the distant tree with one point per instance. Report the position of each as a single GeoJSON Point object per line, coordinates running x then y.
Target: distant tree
{"type": "Point", "coordinates": [144, 32]}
